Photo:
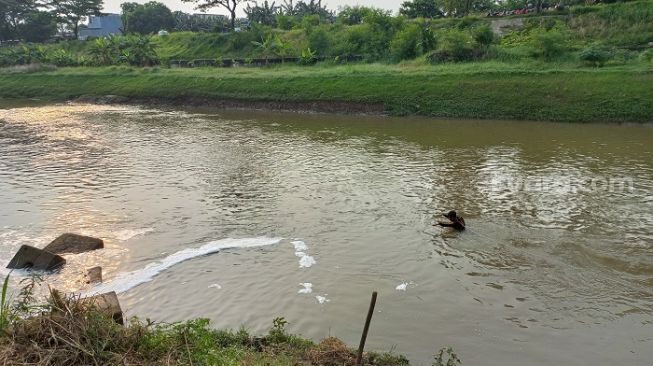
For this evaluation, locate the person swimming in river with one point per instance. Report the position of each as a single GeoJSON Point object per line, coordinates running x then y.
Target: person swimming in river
{"type": "Point", "coordinates": [456, 222]}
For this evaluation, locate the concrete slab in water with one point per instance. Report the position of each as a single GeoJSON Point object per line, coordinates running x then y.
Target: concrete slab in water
{"type": "Point", "coordinates": [34, 258]}
{"type": "Point", "coordinates": [108, 303]}
{"type": "Point", "coordinates": [74, 243]}
{"type": "Point", "coordinates": [94, 275]}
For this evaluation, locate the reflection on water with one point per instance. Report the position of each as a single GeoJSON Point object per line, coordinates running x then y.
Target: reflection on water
{"type": "Point", "coordinates": [557, 263]}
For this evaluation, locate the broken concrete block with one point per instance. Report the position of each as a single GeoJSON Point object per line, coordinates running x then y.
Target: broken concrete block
{"type": "Point", "coordinates": [94, 275]}
{"type": "Point", "coordinates": [34, 258]}
{"type": "Point", "coordinates": [108, 304]}
{"type": "Point", "coordinates": [73, 243]}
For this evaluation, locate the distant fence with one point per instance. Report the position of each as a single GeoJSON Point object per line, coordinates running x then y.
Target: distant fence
{"type": "Point", "coordinates": [254, 62]}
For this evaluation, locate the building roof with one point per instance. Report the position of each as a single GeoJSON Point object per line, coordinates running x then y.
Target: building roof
{"type": "Point", "coordinates": [105, 21]}
{"type": "Point", "coordinates": [102, 26]}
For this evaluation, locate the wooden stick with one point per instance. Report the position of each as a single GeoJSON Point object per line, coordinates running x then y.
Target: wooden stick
{"type": "Point", "coordinates": [370, 312]}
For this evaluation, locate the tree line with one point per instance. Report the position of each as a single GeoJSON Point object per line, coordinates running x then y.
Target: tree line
{"type": "Point", "coordinates": [38, 20]}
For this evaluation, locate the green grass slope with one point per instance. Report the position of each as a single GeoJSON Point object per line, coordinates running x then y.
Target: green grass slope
{"type": "Point", "coordinates": [480, 90]}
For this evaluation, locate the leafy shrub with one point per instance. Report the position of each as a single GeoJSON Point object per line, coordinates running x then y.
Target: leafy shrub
{"type": "Point", "coordinates": [455, 45]}
{"type": "Point", "coordinates": [137, 51]}
{"type": "Point", "coordinates": [310, 21]}
{"type": "Point", "coordinates": [405, 45]}
{"type": "Point", "coordinates": [429, 40]}
{"type": "Point", "coordinates": [23, 55]}
{"type": "Point", "coordinates": [132, 50]}
{"type": "Point", "coordinates": [6, 58]}
{"type": "Point", "coordinates": [85, 60]}
{"type": "Point", "coordinates": [483, 35]}
{"type": "Point", "coordinates": [351, 15]}
{"type": "Point", "coordinates": [594, 55]}
{"type": "Point", "coordinates": [647, 56]}
{"type": "Point", "coordinates": [279, 335]}
{"type": "Point", "coordinates": [622, 56]}
{"type": "Point", "coordinates": [308, 57]}
{"type": "Point", "coordinates": [266, 47]}
{"type": "Point", "coordinates": [103, 51]}
{"type": "Point", "coordinates": [61, 58]}
{"type": "Point", "coordinates": [286, 22]}
{"type": "Point", "coordinates": [272, 45]}
{"type": "Point", "coordinates": [373, 37]}
{"type": "Point", "coordinates": [548, 44]}
{"type": "Point", "coordinates": [362, 39]}
{"type": "Point", "coordinates": [318, 40]}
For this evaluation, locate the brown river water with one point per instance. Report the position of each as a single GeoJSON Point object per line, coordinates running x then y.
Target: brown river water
{"type": "Point", "coordinates": [242, 217]}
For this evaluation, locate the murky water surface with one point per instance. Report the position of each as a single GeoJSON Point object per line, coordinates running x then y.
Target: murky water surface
{"type": "Point", "coordinates": [556, 269]}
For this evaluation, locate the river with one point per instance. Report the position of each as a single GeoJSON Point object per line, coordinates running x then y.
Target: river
{"type": "Point", "coordinates": [230, 215]}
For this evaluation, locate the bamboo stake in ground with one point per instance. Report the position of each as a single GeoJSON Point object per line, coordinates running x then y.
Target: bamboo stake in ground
{"type": "Point", "coordinates": [370, 312]}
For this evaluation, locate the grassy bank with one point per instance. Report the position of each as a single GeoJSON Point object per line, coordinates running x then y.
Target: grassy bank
{"type": "Point", "coordinates": [491, 90]}
{"type": "Point", "coordinates": [67, 331]}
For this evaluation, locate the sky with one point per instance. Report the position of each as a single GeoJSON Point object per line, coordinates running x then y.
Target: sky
{"type": "Point", "coordinates": [113, 6]}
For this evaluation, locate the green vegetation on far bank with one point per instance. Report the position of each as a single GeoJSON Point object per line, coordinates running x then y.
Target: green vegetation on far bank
{"type": "Point", "coordinates": [488, 90]}
{"type": "Point", "coordinates": [591, 35]}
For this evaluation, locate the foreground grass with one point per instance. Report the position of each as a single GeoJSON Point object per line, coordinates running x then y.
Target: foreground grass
{"type": "Point", "coordinates": [491, 90]}
{"type": "Point", "coordinates": [67, 331]}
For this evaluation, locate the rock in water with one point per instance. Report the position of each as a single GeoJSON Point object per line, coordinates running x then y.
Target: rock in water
{"type": "Point", "coordinates": [34, 258]}
{"type": "Point", "coordinates": [108, 304]}
{"type": "Point", "coordinates": [73, 243]}
{"type": "Point", "coordinates": [94, 275]}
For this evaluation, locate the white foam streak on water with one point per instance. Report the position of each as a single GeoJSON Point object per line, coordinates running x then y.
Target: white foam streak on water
{"type": "Point", "coordinates": [124, 235]}
{"type": "Point", "coordinates": [322, 299]}
{"type": "Point", "coordinates": [299, 245]}
{"type": "Point", "coordinates": [128, 280]}
{"type": "Point", "coordinates": [215, 286]}
{"type": "Point", "coordinates": [306, 261]}
{"type": "Point", "coordinates": [308, 288]}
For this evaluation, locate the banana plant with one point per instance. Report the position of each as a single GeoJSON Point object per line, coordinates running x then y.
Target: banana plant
{"type": "Point", "coordinates": [308, 57]}
{"type": "Point", "coordinates": [266, 46]}
{"type": "Point", "coordinates": [104, 51]}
